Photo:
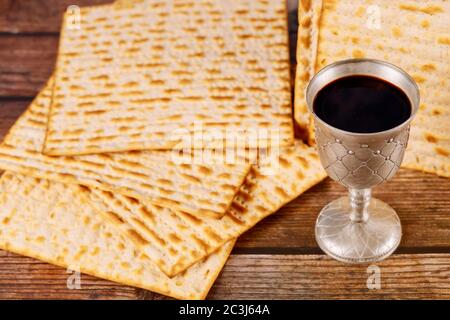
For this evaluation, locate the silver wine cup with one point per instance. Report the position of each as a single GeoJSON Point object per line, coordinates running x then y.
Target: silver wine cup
{"type": "Point", "coordinates": [358, 228]}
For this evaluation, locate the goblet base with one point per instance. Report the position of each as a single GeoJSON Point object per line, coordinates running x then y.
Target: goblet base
{"type": "Point", "coordinates": [372, 239]}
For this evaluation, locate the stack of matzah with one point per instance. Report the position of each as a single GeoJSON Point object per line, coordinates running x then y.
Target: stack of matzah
{"type": "Point", "coordinates": [103, 170]}
{"type": "Point", "coordinates": [411, 34]}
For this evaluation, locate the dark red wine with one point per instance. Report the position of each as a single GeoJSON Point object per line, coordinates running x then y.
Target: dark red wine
{"type": "Point", "coordinates": [362, 104]}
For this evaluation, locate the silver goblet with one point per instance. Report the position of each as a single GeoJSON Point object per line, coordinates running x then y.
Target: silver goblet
{"type": "Point", "coordinates": [358, 228]}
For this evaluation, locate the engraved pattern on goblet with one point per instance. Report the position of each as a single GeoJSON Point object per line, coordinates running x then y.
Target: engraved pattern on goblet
{"type": "Point", "coordinates": [361, 164]}
{"type": "Point", "coordinates": [359, 228]}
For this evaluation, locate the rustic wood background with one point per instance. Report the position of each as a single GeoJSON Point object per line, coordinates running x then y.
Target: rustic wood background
{"type": "Point", "coordinates": [277, 259]}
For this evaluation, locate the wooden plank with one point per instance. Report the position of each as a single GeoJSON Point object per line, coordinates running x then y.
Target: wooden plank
{"type": "Point", "coordinates": [26, 278]}
{"type": "Point", "coordinates": [418, 276]}
{"type": "Point", "coordinates": [421, 200]}
{"type": "Point", "coordinates": [34, 16]}
{"type": "Point", "coordinates": [9, 112]}
{"type": "Point", "coordinates": [26, 62]}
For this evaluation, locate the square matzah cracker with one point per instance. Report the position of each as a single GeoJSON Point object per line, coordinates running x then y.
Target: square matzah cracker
{"type": "Point", "coordinates": [199, 188]}
{"type": "Point", "coordinates": [175, 240]}
{"type": "Point", "coordinates": [162, 74]}
{"type": "Point", "coordinates": [171, 239]}
{"type": "Point", "coordinates": [50, 221]}
{"type": "Point", "coordinates": [411, 34]}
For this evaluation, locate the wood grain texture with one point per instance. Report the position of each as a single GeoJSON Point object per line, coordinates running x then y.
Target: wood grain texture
{"type": "Point", "coordinates": [26, 63]}
{"type": "Point", "coordinates": [26, 278]}
{"type": "Point", "coordinates": [415, 276]}
{"type": "Point", "coordinates": [9, 112]}
{"type": "Point", "coordinates": [418, 276]}
{"type": "Point", "coordinates": [33, 16]}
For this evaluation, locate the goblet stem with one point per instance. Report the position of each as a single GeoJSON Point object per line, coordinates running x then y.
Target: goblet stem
{"type": "Point", "coordinates": [359, 204]}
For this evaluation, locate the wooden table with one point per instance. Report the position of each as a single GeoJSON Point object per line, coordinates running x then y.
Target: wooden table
{"type": "Point", "coordinates": [279, 258]}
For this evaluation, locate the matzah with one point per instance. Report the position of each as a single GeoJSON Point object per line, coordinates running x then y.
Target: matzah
{"type": "Point", "coordinates": [175, 240]}
{"type": "Point", "coordinates": [123, 3]}
{"type": "Point", "coordinates": [413, 35]}
{"type": "Point", "coordinates": [201, 188]}
{"type": "Point", "coordinates": [128, 2]}
{"type": "Point", "coordinates": [308, 31]}
{"type": "Point", "coordinates": [172, 74]}
{"type": "Point", "coordinates": [51, 222]}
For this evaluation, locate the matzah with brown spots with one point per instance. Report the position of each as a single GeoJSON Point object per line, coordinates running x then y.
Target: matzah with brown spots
{"type": "Point", "coordinates": [175, 240]}
{"type": "Point", "coordinates": [172, 239]}
{"type": "Point", "coordinates": [52, 222]}
{"type": "Point", "coordinates": [411, 34]}
{"type": "Point", "coordinates": [201, 187]}
{"type": "Point", "coordinates": [128, 2]}
{"type": "Point", "coordinates": [165, 73]}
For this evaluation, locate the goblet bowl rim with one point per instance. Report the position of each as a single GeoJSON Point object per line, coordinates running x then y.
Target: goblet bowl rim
{"type": "Point", "coordinates": [401, 126]}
